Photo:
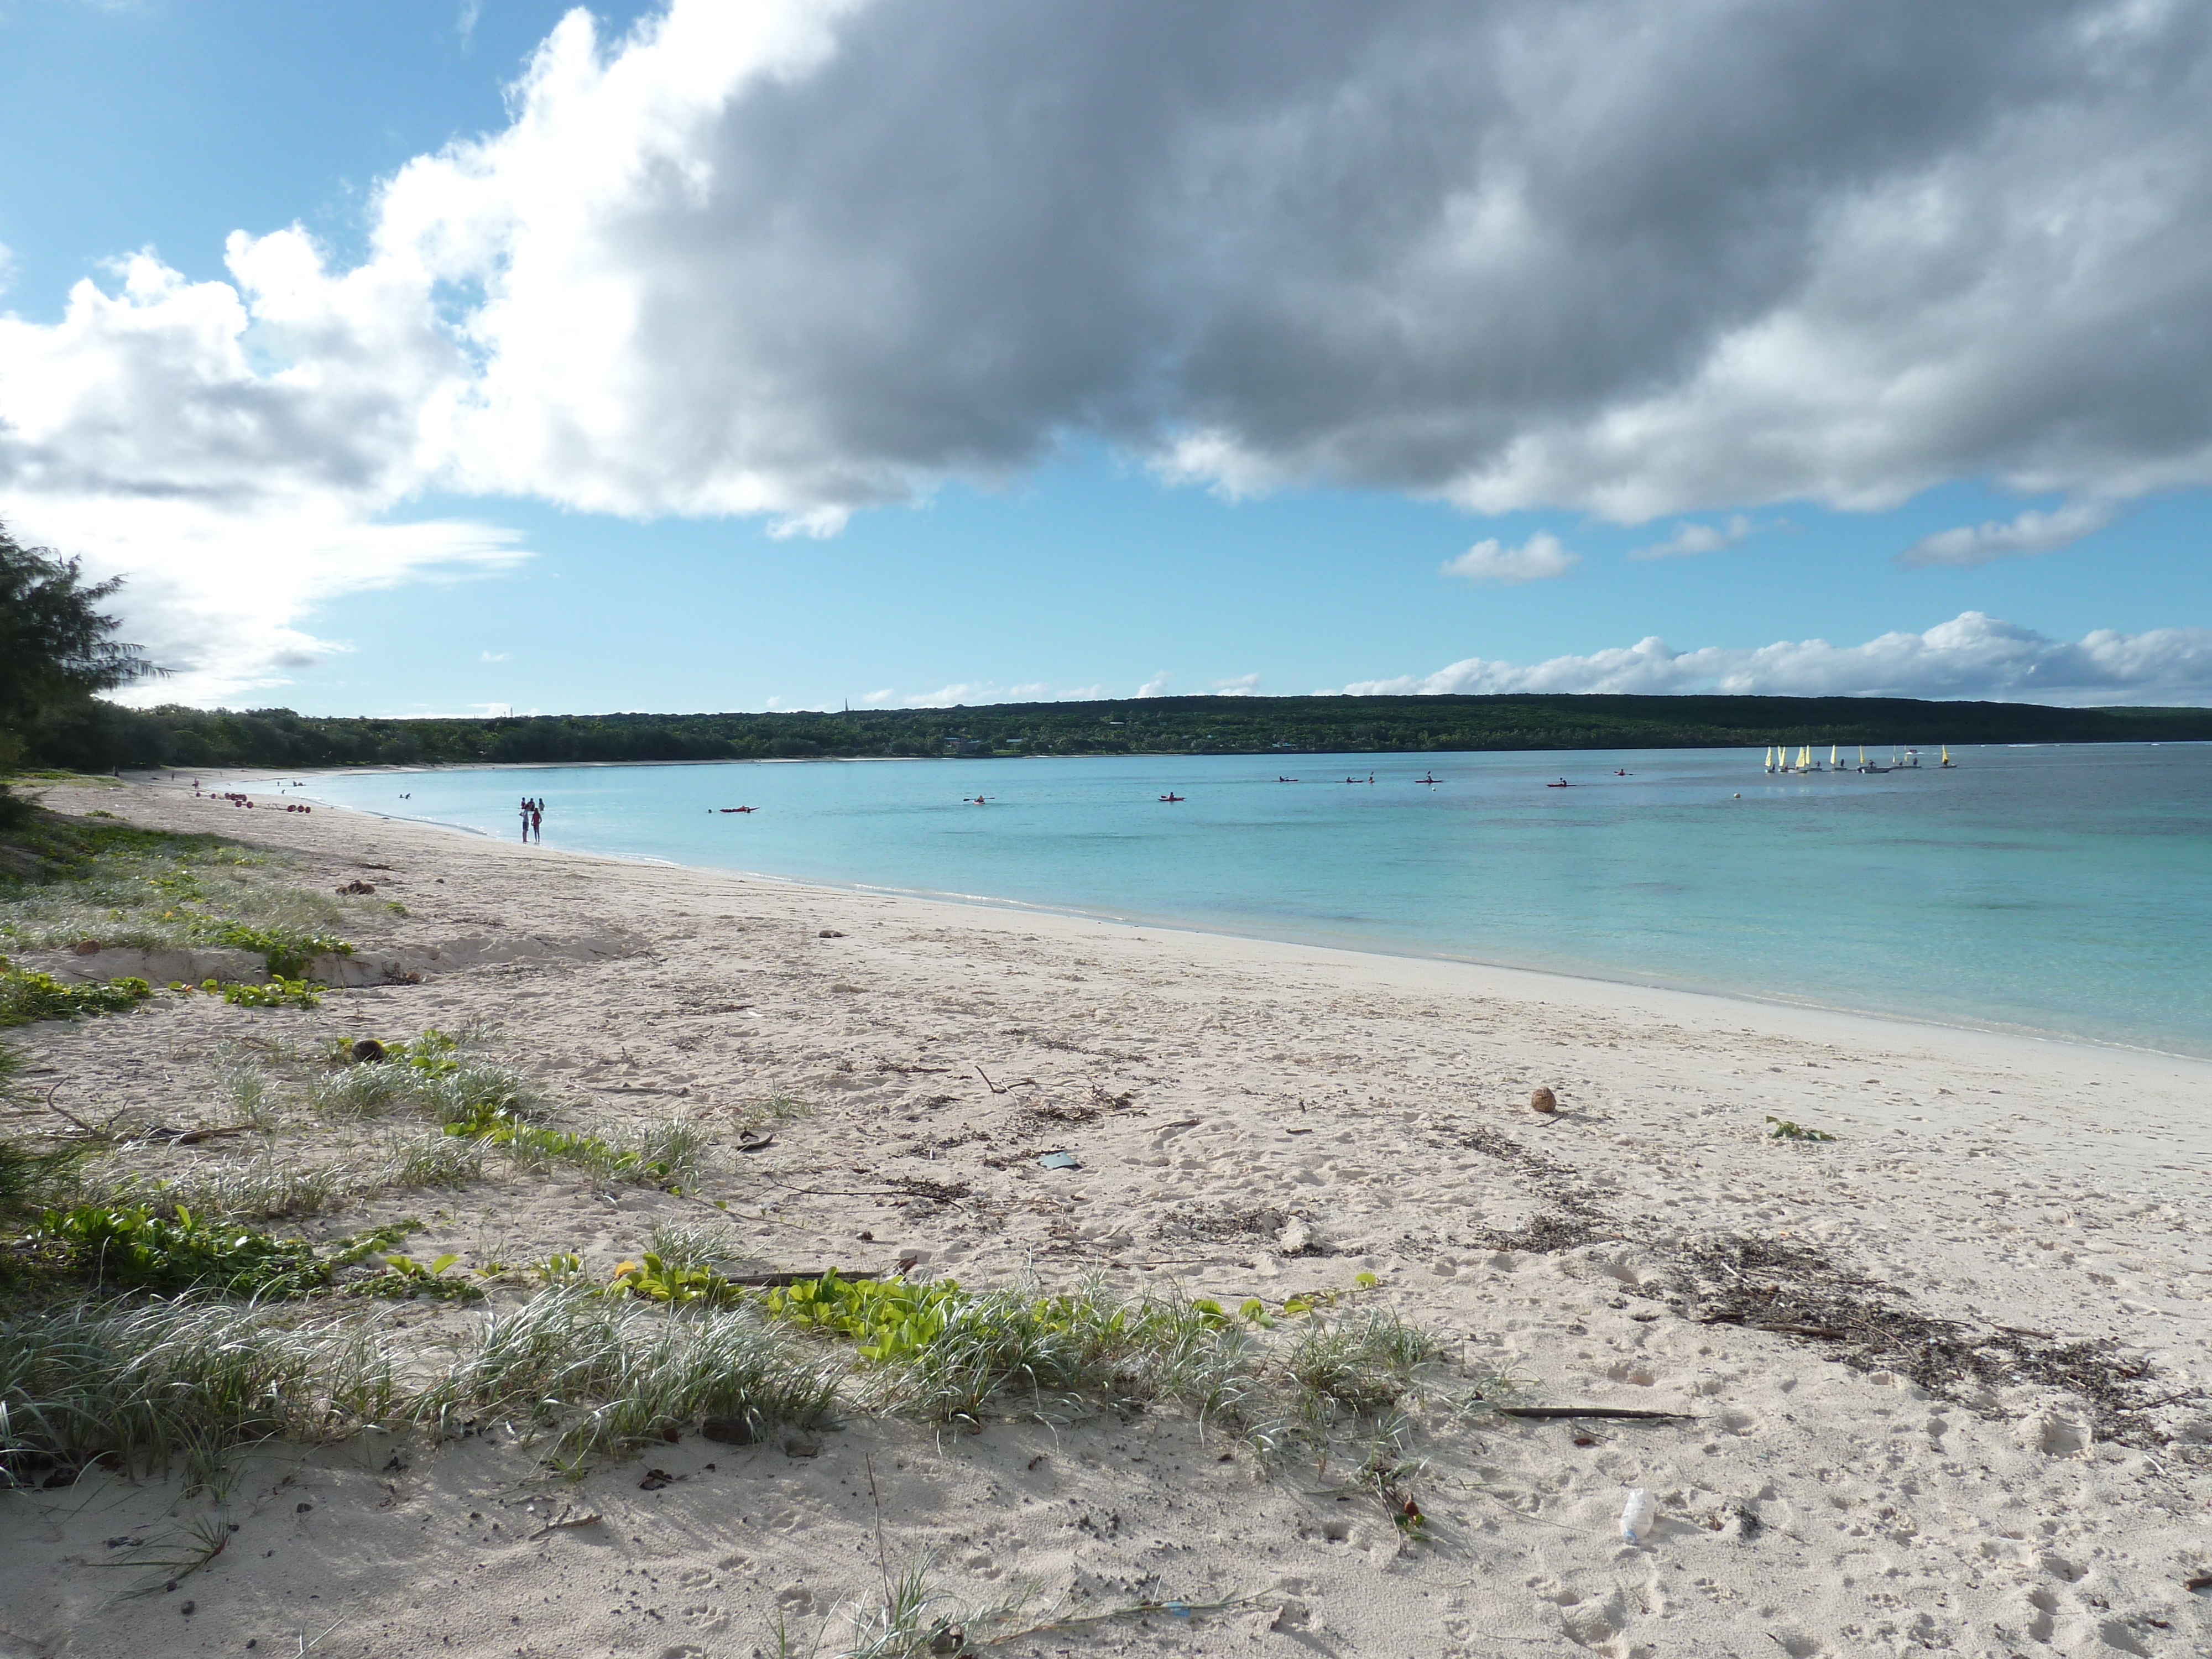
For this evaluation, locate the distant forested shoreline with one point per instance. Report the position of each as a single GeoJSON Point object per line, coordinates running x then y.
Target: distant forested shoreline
{"type": "Point", "coordinates": [102, 736]}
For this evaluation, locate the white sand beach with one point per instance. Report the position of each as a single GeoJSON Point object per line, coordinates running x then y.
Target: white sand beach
{"type": "Point", "coordinates": [1246, 1119]}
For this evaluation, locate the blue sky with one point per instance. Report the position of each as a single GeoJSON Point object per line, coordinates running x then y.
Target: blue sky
{"type": "Point", "coordinates": [723, 368]}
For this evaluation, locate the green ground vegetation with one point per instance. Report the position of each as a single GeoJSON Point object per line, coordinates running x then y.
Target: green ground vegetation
{"type": "Point", "coordinates": [66, 880]}
{"type": "Point", "coordinates": [174, 738]}
{"type": "Point", "coordinates": [121, 1292]}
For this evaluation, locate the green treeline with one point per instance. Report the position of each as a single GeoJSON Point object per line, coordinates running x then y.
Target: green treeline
{"type": "Point", "coordinates": [101, 736]}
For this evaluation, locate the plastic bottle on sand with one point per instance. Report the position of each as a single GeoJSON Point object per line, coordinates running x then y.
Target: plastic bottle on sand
{"type": "Point", "coordinates": [1637, 1516]}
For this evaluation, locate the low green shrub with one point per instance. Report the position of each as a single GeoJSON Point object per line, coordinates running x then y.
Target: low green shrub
{"type": "Point", "coordinates": [27, 997]}
{"type": "Point", "coordinates": [404, 1276]}
{"type": "Point", "coordinates": [285, 951]}
{"type": "Point", "coordinates": [138, 1248]}
{"type": "Point", "coordinates": [278, 992]}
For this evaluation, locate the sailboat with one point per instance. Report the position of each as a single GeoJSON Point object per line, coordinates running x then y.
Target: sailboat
{"type": "Point", "coordinates": [1770, 758]}
{"type": "Point", "coordinates": [1866, 765]}
{"type": "Point", "coordinates": [1947, 760]}
{"type": "Point", "coordinates": [1834, 765]}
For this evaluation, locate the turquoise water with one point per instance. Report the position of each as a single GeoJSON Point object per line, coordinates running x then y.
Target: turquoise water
{"type": "Point", "coordinates": [2059, 889]}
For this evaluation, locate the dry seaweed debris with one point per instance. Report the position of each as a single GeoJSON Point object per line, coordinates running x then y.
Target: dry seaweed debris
{"type": "Point", "coordinates": [1793, 1289]}
{"type": "Point", "coordinates": [1201, 1223]}
{"type": "Point", "coordinates": [1572, 1220]}
{"type": "Point", "coordinates": [1547, 1234]}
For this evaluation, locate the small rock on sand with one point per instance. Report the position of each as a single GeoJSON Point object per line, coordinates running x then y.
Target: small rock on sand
{"type": "Point", "coordinates": [1543, 1100]}
{"type": "Point", "coordinates": [367, 1050]}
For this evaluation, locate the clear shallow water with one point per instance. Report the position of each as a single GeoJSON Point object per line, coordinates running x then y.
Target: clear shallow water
{"type": "Point", "coordinates": [2061, 889]}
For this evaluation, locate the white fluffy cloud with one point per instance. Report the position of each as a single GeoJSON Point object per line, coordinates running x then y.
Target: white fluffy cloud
{"type": "Point", "coordinates": [1540, 558]}
{"type": "Point", "coordinates": [2029, 532]}
{"type": "Point", "coordinates": [794, 258]}
{"type": "Point", "coordinates": [1691, 539]}
{"type": "Point", "coordinates": [1972, 656]}
{"type": "Point", "coordinates": [217, 596]}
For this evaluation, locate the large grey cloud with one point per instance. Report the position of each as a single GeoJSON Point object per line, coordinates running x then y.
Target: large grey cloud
{"type": "Point", "coordinates": [1618, 256]}
{"type": "Point", "coordinates": [1626, 256]}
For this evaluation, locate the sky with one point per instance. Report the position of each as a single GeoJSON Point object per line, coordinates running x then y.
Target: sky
{"type": "Point", "coordinates": [448, 357]}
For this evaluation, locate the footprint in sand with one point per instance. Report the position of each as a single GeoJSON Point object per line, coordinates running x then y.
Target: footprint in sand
{"type": "Point", "coordinates": [1596, 1626]}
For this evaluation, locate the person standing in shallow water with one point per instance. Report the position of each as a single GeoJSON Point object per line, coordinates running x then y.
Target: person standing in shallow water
{"type": "Point", "coordinates": [525, 818]}
{"type": "Point", "coordinates": [537, 821]}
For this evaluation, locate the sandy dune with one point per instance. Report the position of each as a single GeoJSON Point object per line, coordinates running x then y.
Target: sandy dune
{"type": "Point", "coordinates": [1249, 1118]}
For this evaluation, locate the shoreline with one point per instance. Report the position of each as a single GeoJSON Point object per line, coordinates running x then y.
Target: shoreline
{"type": "Point", "coordinates": [1733, 996]}
{"type": "Point", "coordinates": [1245, 1119]}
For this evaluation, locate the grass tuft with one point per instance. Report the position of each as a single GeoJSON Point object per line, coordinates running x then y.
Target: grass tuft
{"type": "Point", "coordinates": [1359, 1365]}
{"type": "Point", "coordinates": [684, 1245]}
{"type": "Point", "coordinates": [639, 1372]}
{"type": "Point", "coordinates": [361, 1092]}
{"type": "Point", "coordinates": [139, 1387]}
{"type": "Point", "coordinates": [675, 1148]}
{"type": "Point", "coordinates": [436, 1159]}
{"type": "Point", "coordinates": [913, 1619]}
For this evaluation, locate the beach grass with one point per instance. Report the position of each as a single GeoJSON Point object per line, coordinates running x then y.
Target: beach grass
{"type": "Point", "coordinates": [138, 1386]}
{"type": "Point", "coordinates": [148, 890]}
{"type": "Point", "coordinates": [635, 1372]}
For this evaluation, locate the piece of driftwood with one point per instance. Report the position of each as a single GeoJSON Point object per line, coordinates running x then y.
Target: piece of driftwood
{"type": "Point", "coordinates": [566, 1519]}
{"type": "Point", "coordinates": [1560, 1413]}
{"type": "Point", "coordinates": [193, 1137]}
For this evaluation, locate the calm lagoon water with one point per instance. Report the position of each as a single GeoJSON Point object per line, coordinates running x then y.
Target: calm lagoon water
{"type": "Point", "coordinates": [2052, 889]}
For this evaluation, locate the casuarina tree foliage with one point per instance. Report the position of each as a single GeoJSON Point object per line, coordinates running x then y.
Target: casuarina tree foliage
{"type": "Point", "coordinates": [57, 645]}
